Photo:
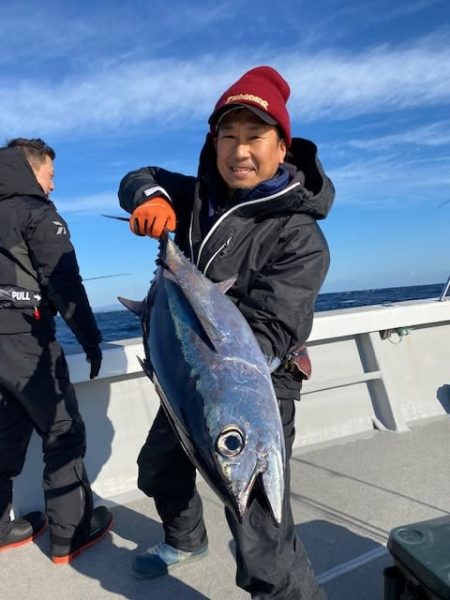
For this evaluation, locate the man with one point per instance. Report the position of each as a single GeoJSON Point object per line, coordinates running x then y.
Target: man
{"type": "Point", "coordinates": [251, 210]}
{"type": "Point", "coordinates": [39, 276]}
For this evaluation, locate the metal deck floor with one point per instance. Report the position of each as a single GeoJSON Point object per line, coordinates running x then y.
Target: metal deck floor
{"type": "Point", "coordinates": [346, 497]}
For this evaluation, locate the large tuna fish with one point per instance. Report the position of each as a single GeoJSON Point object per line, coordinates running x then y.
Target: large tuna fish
{"type": "Point", "coordinates": [213, 381]}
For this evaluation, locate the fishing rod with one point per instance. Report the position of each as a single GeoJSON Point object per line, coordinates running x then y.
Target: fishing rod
{"type": "Point", "coordinates": [114, 274]}
{"type": "Point", "coordinates": [106, 276]}
{"type": "Point", "coordinates": [116, 217]}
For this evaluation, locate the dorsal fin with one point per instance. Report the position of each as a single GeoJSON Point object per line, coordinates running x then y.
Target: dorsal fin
{"type": "Point", "coordinates": [190, 282]}
{"type": "Point", "coordinates": [136, 307]}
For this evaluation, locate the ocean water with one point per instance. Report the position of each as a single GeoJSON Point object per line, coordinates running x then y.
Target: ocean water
{"type": "Point", "coordinates": [122, 324]}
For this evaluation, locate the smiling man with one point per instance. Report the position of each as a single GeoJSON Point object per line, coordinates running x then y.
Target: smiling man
{"type": "Point", "coordinates": [251, 211]}
{"type": "Point", "coordinates": [249, 151]}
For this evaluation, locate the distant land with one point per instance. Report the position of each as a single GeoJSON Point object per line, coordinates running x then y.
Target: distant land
{"type": "Point", "coordinates": [108, 307]}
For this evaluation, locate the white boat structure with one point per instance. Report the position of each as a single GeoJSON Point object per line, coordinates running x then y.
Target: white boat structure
{"type": "Point", "coordinates": [372, 452]}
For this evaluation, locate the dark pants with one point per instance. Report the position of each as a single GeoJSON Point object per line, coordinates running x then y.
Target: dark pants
{"type": "Point", "coordinates": [35, 393]}
{"type": "Point", "coordinates": [271, 561]}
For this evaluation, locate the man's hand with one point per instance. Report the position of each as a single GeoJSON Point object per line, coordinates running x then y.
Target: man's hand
{"type": "Point", "coordinates": [152, 217]}
{"type": "Point", "coordinates": [94, 356]}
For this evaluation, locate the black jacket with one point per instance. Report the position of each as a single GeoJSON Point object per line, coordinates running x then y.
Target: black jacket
{"type": "Point", "coordinates": [38, 266]}
{"type": "Point", "coordinates": [273, 244]}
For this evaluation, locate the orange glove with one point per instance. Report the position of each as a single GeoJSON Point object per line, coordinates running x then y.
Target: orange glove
{"type": "Point", "coordinates": [152, 217]}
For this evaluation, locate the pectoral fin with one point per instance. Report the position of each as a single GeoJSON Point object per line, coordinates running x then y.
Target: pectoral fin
{"type": "Point", "coordinates": [225, 285]}
{"type": "Point", "coordinates": [273, 362]}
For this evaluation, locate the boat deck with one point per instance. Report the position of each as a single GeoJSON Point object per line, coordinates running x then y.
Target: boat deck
{"type": "Point", "coordinates": [346, 497]}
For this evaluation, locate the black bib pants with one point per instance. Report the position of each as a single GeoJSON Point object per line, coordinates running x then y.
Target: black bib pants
{"type": "Point", "coordinates": [271, 561]}
{"type": "Point", "coordinates": [36, 394]}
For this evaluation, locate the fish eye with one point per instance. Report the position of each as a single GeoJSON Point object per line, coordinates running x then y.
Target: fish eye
{"type": "Point", "coordinates": [230, 442]}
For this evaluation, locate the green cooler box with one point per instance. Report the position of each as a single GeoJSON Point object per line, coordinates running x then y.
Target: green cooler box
{"type": "Point", "coordinates": [421, 553]}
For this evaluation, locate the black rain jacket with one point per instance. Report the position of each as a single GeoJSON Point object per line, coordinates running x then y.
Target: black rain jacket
{"type": "Point", "coordinates": [273, 244]}
{"type": "Point", "coordinates": [38, 265]}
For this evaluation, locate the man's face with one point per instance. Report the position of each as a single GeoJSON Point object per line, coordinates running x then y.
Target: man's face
{"type": "Point", "coordinates": [249, 151]}
{"type": "Point", "coordinates": [45, 173]}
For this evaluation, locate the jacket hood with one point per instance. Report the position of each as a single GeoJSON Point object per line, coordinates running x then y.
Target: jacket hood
{"type": "Point", "coordinates": [16, 175]}
{"type": "Point", "coordinates": [314, 194]}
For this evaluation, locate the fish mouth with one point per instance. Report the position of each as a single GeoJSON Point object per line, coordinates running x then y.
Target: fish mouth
{"type": "Point", "coordinates": [270, 474]}
{"type": "Point", "coordinates": [272, 480]}
{"type": "Point", "coordinates": [242, 468]}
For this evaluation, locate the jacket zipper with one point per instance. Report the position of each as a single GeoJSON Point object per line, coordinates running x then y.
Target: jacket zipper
{"type": "Point", "coordinates": [222, 247]}
{"type": "Point", "coordinates": [223, 217]}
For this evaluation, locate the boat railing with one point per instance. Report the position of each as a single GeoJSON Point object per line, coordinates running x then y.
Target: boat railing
{"type": "Point", "coordinates": [444, 290]}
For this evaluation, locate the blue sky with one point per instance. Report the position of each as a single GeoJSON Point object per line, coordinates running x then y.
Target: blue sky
{"type": "Point", "coordinates": [114, 86]}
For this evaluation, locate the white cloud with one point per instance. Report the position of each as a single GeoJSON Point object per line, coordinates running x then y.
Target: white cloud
{"type": "Point", "coordinates": [377, 11]}
{"type": "Point", "coordinates": [392, 181]}
{"type": "Point", "coordinates": [96, 203]}
{"type": "Point", "coordinates": [80, 36]}
{"type": "Point", "coordinates": [383, 79]}
{"type": "Point", "coordinates": [330, 85]}
{"type": "Point", "coordinates": [431, 134]}
{"type": "Point", "coordinates": [408, 8]}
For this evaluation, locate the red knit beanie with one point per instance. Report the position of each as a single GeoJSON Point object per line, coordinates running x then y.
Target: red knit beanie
{"type": "Point", "coordinates": [263, 91]}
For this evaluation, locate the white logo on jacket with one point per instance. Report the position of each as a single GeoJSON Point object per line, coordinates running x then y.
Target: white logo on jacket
{"type": "Point", "coordinates": [61, 228]}
{"type": "Point", "coordinates": [20, 295]}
